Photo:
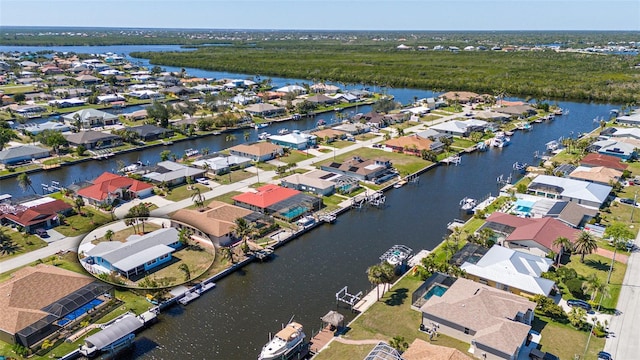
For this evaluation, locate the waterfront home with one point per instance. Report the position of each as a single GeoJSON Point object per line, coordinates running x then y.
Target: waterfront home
{"type": "Point", "coordinates": [172, 173]}
{"type": "Point", "coordinates": [73, 92]}
{"type": "Point", "coordinates": [38, 301]}
{"type": "Point", "coordinates": [264, 110]}
{"type": "Point", "coordinates": [321, 99]}
{"type": "Point", "coordinates": [615, 148]}
{"type": "Point", "coordinates": [260, 151]}
{"type": "Point", "coordinates": [27, 110]}
{"type": "Point", "coordinates": [570, 213]}
{"type": "Point", "coordinates": [65, 103]}
{"type": "Point", "coordinates": [423, 350]}
{"type": "Point", "coordinates": [324, 88]}
{"type": "Point", "coordinates": [42, 213]}
{"type": "Point", "coordinates": [319, 182]}
{"type": "Point", "coordinates": [285, 203]}
{"type": "Point", "coordinates": [361, 169]}
{"type": "Point", "coordinates": [292, 89]}
{"type": "Point", "coordinates": [413, 144]}
{"type": "Point", "coordinates": [93, 140]}
{"type": "Point", "coordinates": [496, 323]}
{"type": "Point", "coordinates": [330, 135]}
{"type": "Point", "coordinates": [461, 97]}
{"type": "Point", "coordinates": [632, 119]}
{"type": "Point", "coordinates": [145, 94]}
{"type": "Point", "coordinates": [87, 79]}
{"type": "Point", "coordinates": [509, 270]}
{"type": "Point", "coordinates": [353, 128]}
{"type": "Point", "coordinates": [137, 256]}
{"type": "Point", "coordinates": [608, 161]}
{"type": "Point", "coordinates": [346, 97]}
{"type": "Point", "coordinates": [108, 187]}
{"type": "Point", "coordinates": [35, 128]}
{"type": "Point", "coordinates": [22, 153]}
{"type": "Point", "coordinates": [491, 116]}
{"type": "Point", "coordinates": [460, 128]}
{"type": "Point", "coordinates": [582, 192]}
{"type": "Point", "coordinates": [149, 132]}
{"type": "Point", "coordinates": [533, 235]}
{"type": "Point", "coordinates": [296, 140]}
{"type": "Point", "coordinates": [222, 164]}
{"type": "Point", "coordinates": [618, 132]}
{"type": "Point", "coordinates": [525, 110]}
{"type": "Point", "coordinates": [597, 174]}
{"type": "Point", "coordinates": [216, 222]}
{"type": "Point", "coordinates": [90, 117]}
{"type": "Point", "coordinates": [136, 115]}
{"type": "Point", "coordinates": [433, 135]}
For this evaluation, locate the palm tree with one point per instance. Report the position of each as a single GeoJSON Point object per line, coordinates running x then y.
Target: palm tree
{"type": "Point", "coordinates": [388, 273]}
{"type": "Point", "coordinates": [619, 234]}
{"type": "Point", "coordinates": [564, 244]}
{"type": "Point", "coordinates": [246, 135]}
{"type": "Point", "coordinates": [108, 235]}
{"type": "Point", "coordinates": [585, 244]}
{"type": "Point", "coordinates": [25, 182]}
{"type": "Point", "coordinates": [576, 316]}
{"type": "Point", "coordinates": [78, 203]}
{"type": "Point", "coordinates": [198, 199]}
{"type": "Point", "coordinates": [592, 285]}
{"type": "Point", "coordinates": [230, 138]}
{"type": "Point", "coordinates": [185, 269]}
{"type": "Point", "coordinates": [184, 234]}
{"type": "Point", "coordinates": [243, 230]}
{"type": "Point", "coordinates": [375, 276]}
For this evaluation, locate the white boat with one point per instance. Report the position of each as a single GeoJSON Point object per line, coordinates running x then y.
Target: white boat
{"type": "Point", "coordinates": [553, 145]}
{"type": "Point", "coordinates": [519, 166]}
{"type": "Point", "coordinates": [558, 111]}
{"type": "Point", "coordinates": [283, 131]}
{"type": "Point", "coordinates": [260, 126]}
{"type": "Point", "coordinates": [132, 167]}
{"type": "Point", "coordinates": [284, 343]}
{"type": "Point", "coordinates": [467, 204]}
{"type": "Point", "coordinates": [399, 184]}
{"type": "Point", "coordinates": [191, 152]}
{"type": "Point", "coordinates": [264, 136]}
{"type": "Point", "coordinates": [481, 146]}
{"type": "Point", "coordinates": [500, 140]}
{"type": "Point", "coordinates": [524, 126]}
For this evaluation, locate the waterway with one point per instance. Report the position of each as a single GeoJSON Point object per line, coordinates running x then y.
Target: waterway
{"type": "Point", "coordinates": [233, 321]}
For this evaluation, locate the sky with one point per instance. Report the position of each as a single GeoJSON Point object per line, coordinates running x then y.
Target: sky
{"type": "Point", "coordinates": [328, 14]}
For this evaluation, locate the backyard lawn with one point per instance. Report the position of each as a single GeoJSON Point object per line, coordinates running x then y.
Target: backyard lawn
{"type": "Point", "coordinates": [405, 164]}
{"type": "Point", "coordinates": [181, 192]}
{"type": "Point", "coordinates": [564, 341]}
{"type": "Point", "coordinates": [237, 175]}
{"type": "Point", "coordinates": [80, 224]}
{"type": "Point", "coordinates": [599, 265]}
{"type": "Point", "coordinates": [295, 157]}
{"type": "Point", "coordinates": [20, 243]}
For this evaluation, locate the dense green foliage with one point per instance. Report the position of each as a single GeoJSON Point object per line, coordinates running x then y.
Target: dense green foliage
{"type": "Point", "coordinates": [542, 74]}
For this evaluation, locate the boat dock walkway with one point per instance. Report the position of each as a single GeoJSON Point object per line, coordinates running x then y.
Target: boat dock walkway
{"type": "Point", "coordinates": [321, 339]}
{"type": "Point", "coordinates": [371, 298]}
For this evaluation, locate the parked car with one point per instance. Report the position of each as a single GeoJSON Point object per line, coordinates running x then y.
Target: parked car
{"type": "Point", "coordinates": [579, 303]}
{"type": "Point", "coordinates": [202, 181]}
{"type": "Point", "coordinates": [628, 201]}
{"type": "Point", "coordinates": [42, 233]}
{"type": "Point", "coordinates": [603, 355]}
{"type": "Point", "coordinates": [536, 354]}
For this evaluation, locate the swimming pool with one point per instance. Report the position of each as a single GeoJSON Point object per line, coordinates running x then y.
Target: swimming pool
{"type": "Point", "coordinates": [79, 312]}
{"type": "Point", "coordinates": [294, 212]}
{"type": "Point", "coordinates": [437, 290]}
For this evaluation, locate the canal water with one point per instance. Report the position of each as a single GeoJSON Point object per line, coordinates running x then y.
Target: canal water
{"type": "Point", "coordinates": [233, 320]}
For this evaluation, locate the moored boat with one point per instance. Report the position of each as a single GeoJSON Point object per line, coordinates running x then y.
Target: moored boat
{"type": "Point", "coordinates": [500, 140]}
{"type": "Point", "coordinates": [264, 136]}
{"type": "Point", "coordinates": [260, 126]}
{"type": "Point", "coordinates": [467, 204]}
{"type": "Point", "coordinates": [285, 343]}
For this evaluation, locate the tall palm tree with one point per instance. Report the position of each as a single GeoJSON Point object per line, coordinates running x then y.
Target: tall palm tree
{"type": "Point", "coordinates": [564, 244]}
{"type": "Point", "coordinates": [375, 276]}
{"type": "Point", "coordinates": [185, 269]}
{"type": "Point", "coordinates": [246, 135]}
{"type": "Point", "coordinates": [243, 229]}
{"type": "Point", "coordinates": [592, 285]}
{"type": "Point", "coordinates": [230, 138]}
{"type": "Point", "coordinates": [585, 244]}
{"type": "Point", "coordinates": [388, 273]}
{"type": "Point", "coordinates": [198, 199]}
{"type": "Point", "coordinates": [25, 182]}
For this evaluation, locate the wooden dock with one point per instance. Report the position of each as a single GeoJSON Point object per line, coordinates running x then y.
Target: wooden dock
{"type": "Point", "coordinates": [321, 339]}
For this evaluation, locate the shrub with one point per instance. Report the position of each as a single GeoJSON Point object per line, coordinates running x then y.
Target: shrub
{"type": "Point", "coordinates": [575, 287]}
{"type": "Point", "coordinates": [565, 274]}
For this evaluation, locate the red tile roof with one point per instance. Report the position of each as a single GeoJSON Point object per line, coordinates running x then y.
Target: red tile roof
{"type": "Point", "coordinates": [266, 196]}
{"type": "Point", "coordinates": [608, 161]}
{"type": "Point", "coordinates": [108, 183]}
{"type": "Point", "coordinates": [541, 230]}
{"type": "Point", "coordinates": [38, 214]}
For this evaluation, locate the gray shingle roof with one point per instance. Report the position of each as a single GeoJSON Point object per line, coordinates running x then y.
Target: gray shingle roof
{"type": "Point", "coordinates": [21, 151]}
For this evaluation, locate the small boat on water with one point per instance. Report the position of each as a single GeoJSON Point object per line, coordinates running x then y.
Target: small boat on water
{"type": "Point", "coordinates": [260, 126]}
{"type": "Point", "coordinates": [400, 184]}
{"type": "Point", "coordinates": [296, 117]}
{"type": "Point", "coordinates": [283, 131]}
{"type": "Point", "coordinates": [558, 111]}
{"type": "Point", "coordinates": [519, 166]}
{"type": "Point", "coordinates": [500, 140]}
{"type": "Point", "coordinates": [552, 145]}
{"type": "Point", "coordinates": [138, 165]}
{"type": "Point", "coordinates": [321, 122]}
{"type": "Point", "coordinates": [467, 204]}
{"type": "Point", "coordinates": [524, 126]}
{"type": "Point", "coordinates": [191, 152]}
{"type": "Point", "coordinates": [216, 133]}
{"type": "Point", "coordinates": [482, 146]}
{"type": "Point", "coordinates": [285, 343]}
{"type": "Point", "coordinates": [264, 136]}
{"type": "Point", "coordinates": [508, 133]}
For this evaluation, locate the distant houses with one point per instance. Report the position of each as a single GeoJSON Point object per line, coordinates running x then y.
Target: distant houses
{"type": "Point", "coordinates": [90, 118]}
{"type": "Point", "coordinates": [260, 151]}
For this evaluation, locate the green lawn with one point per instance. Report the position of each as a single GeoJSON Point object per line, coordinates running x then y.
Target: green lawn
{"type": "Point", "coordinates": [564, 341]}
{"type": "Point", "coordinates": [227, 198]}
{"type": "Point", "coordinates": [599, 265]}
{"type": "Point", "coordinates": [618, 212]}
{"type": "Point", "coordinates": [233, 177]}
{"type": "Point", "coordinates": [405, 164]}
{"type": "Point", "coordinates": [462, 143]}
{"type": "Point", "coordinates": [340, 351]}
{"type": "Point", "coordinates": [365, 137]}
{"type": "Point", "coordinates": [20, 243]}
{"type": "Point", "coordinates": [331, 202]}
{"type": "Point", "coordinates": [80, 224]}
{"type": "Point", "coordinates": [181, 192]}
{"type": "Point", "coordinates": [339, 144]}
{"type": "Point", "coordinates": [295, 156]}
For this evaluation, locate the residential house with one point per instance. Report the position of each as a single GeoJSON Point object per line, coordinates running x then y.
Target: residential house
{"type": "Point", "coordinates": [585, 193]}
{"type": "Point", "coordinates": [93, 140]}
{"type": "Point", "coordinates": [620, 132]}
{"type": "Point", "coordinates": [136, 257]}
{"type": "Point", "coordinates": [330, 134]}
{"type": "Point", "coordinates": [461, 97]}
{"type": "Point", "coordinates": [496, 323]}
{"type": "Point", "coordinates": [321, 99]}
{"type": "Point", "coordinates": [353, 128]}
{"type": "Point", "coordinates": [22, 153]}
{"type": "Point", "coordinates": [319, 182]}
{"type": "Point", "coordinates": [491, 116]}
{"type": "Point", "coordinates": [260, 151]}
{"type": "Point", "coordinates": [87, 79]}
{"type": "Point", "coordinates": [517, 110]}
{"type": "Point", "coordinates": [90, 118]}
{"type": "Point", "coordinates": [37, 301]}
{"type": "Point", "coordinates": [615, 148]}
{"type": "Point", "coordinates": [222, 164]}
{"type": "Point", "coordinates": [324, 88]}
{"type": "Point", "coordinates": [108, 187]}
{"type": "Point", "coordinates": [292, 89]}
{"type": "Point", "coordinates": [597, 174]}
{"type": "Point", "coordinates": [413, 144]}
{"type": "Point", "coordinates": [433, 135]}
{"type": "Point", "coordinates": [151, 132]}
{"type": "Point", "coordinates": [216, 222]}
{"type": "Point", "coordinates": [295, 140]}
{"type": "Point", "coordinates": [39, 214]}
{"type": "Point", "coordinates": [534, 235]}
{"type": "Point", "coordinates": [285, 203]}
{"type": "Point", "coordinates": [570, 213]}
{"type": "Point", "coordinates": [35, 128]}
{"type": "Point", "coordinates": [611, 162]}
{"type": "Point", "coordinates": [361, 169]}
{"type": "Point", "coordinates": [264, 110]}
{"type": "Point", "coordinates": [172, 173]}
{"type": "Point", "coordinates": [513, 271]}
{"type": "Point", "coordinates": [460, 128]}
{"type": "Point", "coordinates": [632, 119]}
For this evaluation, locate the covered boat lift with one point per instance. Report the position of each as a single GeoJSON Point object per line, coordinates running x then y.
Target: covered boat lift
{"type": "Point", "coordinates": [113, 338]}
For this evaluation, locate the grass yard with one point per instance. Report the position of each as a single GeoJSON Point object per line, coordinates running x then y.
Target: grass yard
{"type": "Point", "coordinates": [80, 224]}
{"type": "Point", "coordinates": [226, 198]}
{"type": "Point", "coordinates": [340, 351]}
{"type": "Point", "coordinates": [181, 192]}
{"type": "Point", "coordinates": [365, 137]}
{"type": "Point", "coordinates": [564, 341]}
{"type": "Point", "coordinates": [389, 317]}
{"type": "Point", "coordinates": [339, 144]}
{"type": "Point", "coordinates": [295, 156]}
{"type": "Point", "coordinates": [331, 202]}
{"type": "Point", "coordinates": [462, 143]}
{"type": "Point", "coordinates": [294, 171]}
{"type": "Point", "coordinates": [430, 117]}
{"type": "Point", "coordinates": [237, 175]}
{"type": "Point", "coordinates": [599, 265]}
{"type": "Point", "coordinates": [122, 235]}
{"type": "Point", "coordinates": [618, 212]}
{"type": "Point", "coordinates": [406, 164]}
{"type": "Point", "coordinates": [20, 243]}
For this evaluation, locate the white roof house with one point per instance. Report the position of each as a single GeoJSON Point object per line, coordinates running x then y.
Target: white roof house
{"type": "Point", "coordinates": [515, 269]}
{"type": "Point", "coordinates": [460, 128]}
{"type": "Point", "coordinates": [294, 140]}
{"type": "Point", "coordinates": [292, 88]}
{"type": "Point", "coordinates": [172, 173]}
{"type": "Point", "coordinates": [582, 192]}
{"type": "Point", "coordinates": [632, 119]}
{"type": "Point", "coordinates": [632, 132]}
{"type": "Point", "coordinates": [222, 163]}
{"type": "Point", "coordinates": [616, 148]}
